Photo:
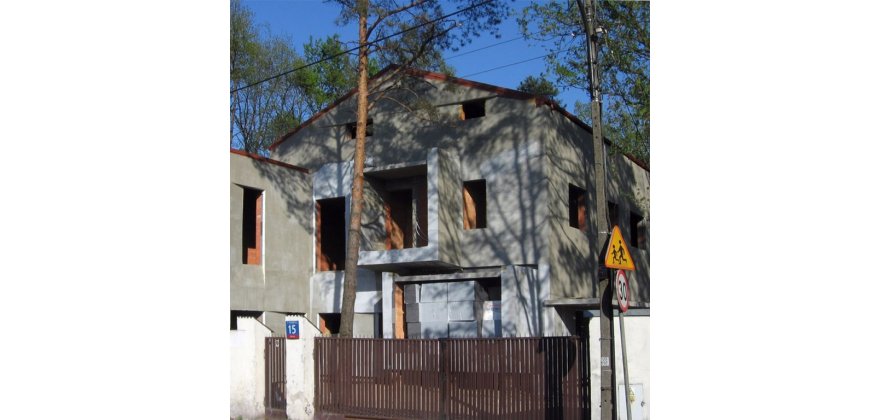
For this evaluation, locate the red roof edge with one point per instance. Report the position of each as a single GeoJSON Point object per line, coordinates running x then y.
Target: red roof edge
{"type": "Point", "coordinates": [267, 160]}
{"type": "Point", "coordinates": [555, 106]}
{"type": "Point", "coordinates": [504, 92]}
{"type": "Point", "coordinates": [321, 113]}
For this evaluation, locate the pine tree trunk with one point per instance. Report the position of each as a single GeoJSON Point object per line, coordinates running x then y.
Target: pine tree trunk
{"type": "Point", "coordinates": [357, 186]}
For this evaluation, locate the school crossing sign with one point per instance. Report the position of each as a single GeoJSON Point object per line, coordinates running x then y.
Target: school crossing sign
{"type": "Point", "coordinates": [617, 255]}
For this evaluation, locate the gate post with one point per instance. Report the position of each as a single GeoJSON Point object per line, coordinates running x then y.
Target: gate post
{"type": "Point", "coordinates": [444, 378]}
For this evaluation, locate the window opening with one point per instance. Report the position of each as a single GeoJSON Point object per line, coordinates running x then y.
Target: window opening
{"type": "Point", "coordinates": [252, 226]}
{"type": "Point", "coordinates": [406, 211]}
{"type": "Point", "coordinates": [398, 219]}
{"type": "Point", "coordinates": [475, 204]}
{"type": "Point", "coordinates": [577, 208]}
{"type": "Point", "coordinates": [473, 109]}
{"type": "Point", "coordinates": [637, 231]}
{"type": "Point", "coordinates": [492, 287]}
{"type": "Point", "coordinates": [352, 128]}
{"type": "Point", "coordinates": [330, 323]}
{"type": "Point", "coordinates": [330, 234]}
{"type": "Point", "coordinates": [612, 215]}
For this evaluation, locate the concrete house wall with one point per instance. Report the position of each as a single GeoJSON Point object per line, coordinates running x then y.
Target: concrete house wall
{"type": "Point", "coordinates": [281, 283]}
{"type": "Point", "coordinates": [527, 153]}
{"type": "Point", "coordinates": [500, 147]}
{"type": "Point", "coordinates": [629, 187]}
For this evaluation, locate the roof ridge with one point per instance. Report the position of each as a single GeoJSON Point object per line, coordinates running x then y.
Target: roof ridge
{"type": "Point", "coordinates": [501, 91]}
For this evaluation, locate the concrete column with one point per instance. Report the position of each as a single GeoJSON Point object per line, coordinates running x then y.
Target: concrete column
{"type": "Point", "coordinates": [388, 305]}
{"type": "Point", "coordinates": [300, 370]}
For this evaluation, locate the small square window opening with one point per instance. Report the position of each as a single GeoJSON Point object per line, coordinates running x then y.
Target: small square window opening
{"type": "Point", "coordinates": [473, 109]}
{"type": "Point", "coordinates": [638, 231]}
{"type": "Point", "coordinates": [351, 128]}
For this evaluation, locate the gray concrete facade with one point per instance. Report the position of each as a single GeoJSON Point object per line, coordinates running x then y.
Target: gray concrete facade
{"type": "Point", "coordinates": [526, 151]}
{"type": "Point", "coordinates": [279, 284]}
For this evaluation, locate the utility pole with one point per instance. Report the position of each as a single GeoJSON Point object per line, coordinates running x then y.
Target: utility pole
{"type": "Point", "coordinates": [588, 18]}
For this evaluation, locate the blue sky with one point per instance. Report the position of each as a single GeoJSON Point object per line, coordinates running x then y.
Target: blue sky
{"type": "Point", "coordinates": [299, 19]}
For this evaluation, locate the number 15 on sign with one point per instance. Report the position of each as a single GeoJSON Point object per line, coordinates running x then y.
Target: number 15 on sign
{"type": "Point", "coordinates": [293, 330]}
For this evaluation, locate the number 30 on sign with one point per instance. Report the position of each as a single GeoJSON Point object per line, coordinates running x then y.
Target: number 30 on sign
{"type": "Point", "coordinates": [622, 291]}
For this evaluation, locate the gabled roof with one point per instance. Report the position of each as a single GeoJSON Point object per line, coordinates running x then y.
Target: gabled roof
{"type": "Point", "coordinates": [500, 91]}
{"type": "Point", "coordinates": [267, 160]}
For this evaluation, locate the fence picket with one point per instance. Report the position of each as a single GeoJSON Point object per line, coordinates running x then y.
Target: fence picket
{"type": "Point", "coordinates": [452, 378]}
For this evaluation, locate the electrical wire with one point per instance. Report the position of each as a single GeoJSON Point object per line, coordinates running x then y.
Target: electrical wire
{"type": "Point", "coordinates": [368, 43]}
{"type": "Point", "coordinates": [483, 48]}
{"type": "Point", "coordinates": [518, 62]}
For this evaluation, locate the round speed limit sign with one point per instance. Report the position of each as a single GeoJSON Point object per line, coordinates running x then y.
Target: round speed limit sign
{"type": "Point", "coordinates": [622, 288]}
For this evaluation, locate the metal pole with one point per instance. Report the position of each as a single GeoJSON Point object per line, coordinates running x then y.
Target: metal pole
{"type": "Point", "coordinates": [608, 389]}
{"type": "Point", "coordinates": [620, 316]}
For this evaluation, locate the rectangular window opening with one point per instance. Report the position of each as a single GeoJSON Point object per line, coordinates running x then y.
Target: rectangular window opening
{"type": "Point", "coordinates": [405, 206]}
{"type": "Point", "coordinates": [492, 287]}
{"type": "Point", "coordinates": [330, 234]}
{"type": "Point", "coordinates": [330, 323]}
{"type": "Point", "coordinates": [577, 208]}
{"type": "Point", "coordinates": [473, 109]}
{"type": "Point", "coordinates": [637, 231]}
{"type": "Point", "coordinates": [612, 215]}
{"type": "Point", "coordinates": [399, 219]}
{"type": "Point", "coordinates": [252, 226]}
{"type": "Point", "coordinates": [352, 129]}
{"type": "Point", "coordinates": [474, 204]}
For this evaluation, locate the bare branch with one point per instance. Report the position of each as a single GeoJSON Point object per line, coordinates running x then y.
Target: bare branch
{"type": "Point", "coordinates": [381, 17]}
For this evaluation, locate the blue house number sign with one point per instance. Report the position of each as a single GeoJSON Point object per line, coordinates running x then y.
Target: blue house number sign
{"type": "Point", "coordinates": [293, 330]}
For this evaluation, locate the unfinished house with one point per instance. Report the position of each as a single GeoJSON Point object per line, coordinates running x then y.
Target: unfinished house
{"type": "Point", "coordinates": [270, 240]}
{"type": "Point", "coordinates": [479, 218]}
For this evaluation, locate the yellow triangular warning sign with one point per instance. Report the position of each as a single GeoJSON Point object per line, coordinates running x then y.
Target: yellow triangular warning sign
{"type": "Point", "coordinates": [617, 255]}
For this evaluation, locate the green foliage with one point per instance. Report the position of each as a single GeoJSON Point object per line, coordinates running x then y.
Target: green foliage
{"type": "Point", "coordinates": [328, 80]}
{"type": "Point", "coordinates": [260, 113]}
{"type": "Point", "coordinates": [624, 57]}
{"type": "Point", "coordinates": [538, 86]}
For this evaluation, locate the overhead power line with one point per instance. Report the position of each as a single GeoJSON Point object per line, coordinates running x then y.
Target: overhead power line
{"type": "Point", "coordinates": [486, 47]}
{"type": "Point", "coordinates": [355, 48]}
{"type": "Point", "coordinates": [518, 62]}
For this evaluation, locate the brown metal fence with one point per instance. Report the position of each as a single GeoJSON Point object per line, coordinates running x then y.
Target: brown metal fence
{"type": "Point", "coordinates": [452, 378]}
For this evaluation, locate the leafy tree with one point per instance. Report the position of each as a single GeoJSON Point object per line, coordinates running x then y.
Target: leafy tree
{"type": "Point", "coordinates": [624, 57]}
{"type": "Point", "coordinates": [259, 112]}
{"type": "Point", "coordinates": [538, 86]}
{"type": "Point", "coordinates": [408, 33]}
{"type": "Point", "coordinates": [330, 79]}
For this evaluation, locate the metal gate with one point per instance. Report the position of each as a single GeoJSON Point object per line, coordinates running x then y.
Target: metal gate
{"type": "Point", "coordinates": [510, 378]}
{"type": "Point", "coordinates": [276, 401]}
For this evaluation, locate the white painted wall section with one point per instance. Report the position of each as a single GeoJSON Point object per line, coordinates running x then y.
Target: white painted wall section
{"type": "Point", "coordinates": [300, 370]}
{"type": "Point", "coordinates": [247, 369]}
{"type": "Point", "coordinates": [638, 336]}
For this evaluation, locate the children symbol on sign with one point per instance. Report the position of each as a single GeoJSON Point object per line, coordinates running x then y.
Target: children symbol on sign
{"type": "Point", "coordinates": [617, 254]}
